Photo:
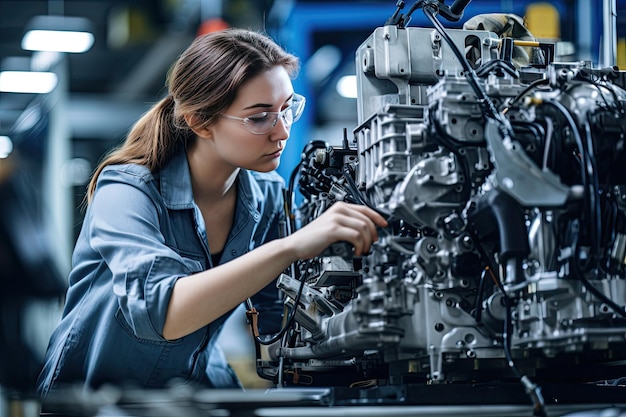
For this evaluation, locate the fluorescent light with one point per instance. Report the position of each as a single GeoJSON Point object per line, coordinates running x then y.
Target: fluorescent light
{"type": "Point", "coordinates": [58, 34]}
{"type": "Point", "coordinates": [346, 86]}
{"type": "Point", "coordinates": [49, 40]}
{"type": "Point", "coordinates": [27, 82]}
{"type": "Point", "coordinates": [6, 146]}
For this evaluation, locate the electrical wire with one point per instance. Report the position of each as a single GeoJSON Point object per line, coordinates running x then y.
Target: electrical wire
{"type": "Point", "coordinates": [587, 173]}
{"type": "Point", "coordinates": [287, 200]}
{"type": "Point", "coordinates": [589, 77]}
{"type": "Point", "coordinates": [488, 106]}
{"type": "Point", "coordinates": [530, 87]}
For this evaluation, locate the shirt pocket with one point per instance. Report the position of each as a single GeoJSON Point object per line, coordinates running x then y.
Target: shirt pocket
{"type": "Point", "coordinates": [191, 254]}
{"type": "Point", "coordinates": [193, 262]}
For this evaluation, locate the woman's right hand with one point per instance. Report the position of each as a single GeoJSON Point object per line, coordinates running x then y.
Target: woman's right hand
{"type": "Point", "coordinates": [352, 223]}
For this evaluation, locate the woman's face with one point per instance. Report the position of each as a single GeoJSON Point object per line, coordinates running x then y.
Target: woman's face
{"type": "Point", "coordinates": [270, 91]}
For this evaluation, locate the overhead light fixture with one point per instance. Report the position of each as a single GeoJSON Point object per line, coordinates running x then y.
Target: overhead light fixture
{"type": "Point", "coordinates": [27, 82]}
{"type": "Point", "coordinates": [16, 77]}
{"type": "Point", "coordinates": [58, 34]}
{"type": "Point", "coordinates": [6, 146]}
{"type": "Point", "coordinates": [346, 86]}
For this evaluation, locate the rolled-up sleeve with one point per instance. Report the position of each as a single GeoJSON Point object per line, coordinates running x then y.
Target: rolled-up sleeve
{"type": "Point", "coordinates": [125, 231]}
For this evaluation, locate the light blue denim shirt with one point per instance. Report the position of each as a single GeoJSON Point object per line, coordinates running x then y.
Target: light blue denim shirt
{"type": "Point", "coordinates": [141, 233]}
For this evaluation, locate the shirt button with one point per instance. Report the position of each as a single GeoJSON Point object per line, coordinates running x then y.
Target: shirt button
{"type": "Point", "coordinates": [233, 252]}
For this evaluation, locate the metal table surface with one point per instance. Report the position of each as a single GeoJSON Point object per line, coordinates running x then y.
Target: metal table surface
{"type": "Point", "coordinates": [561, 400]}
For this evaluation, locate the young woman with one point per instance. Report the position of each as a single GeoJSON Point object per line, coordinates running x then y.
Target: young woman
{"type": "Point", "coordinates": [182, 224]}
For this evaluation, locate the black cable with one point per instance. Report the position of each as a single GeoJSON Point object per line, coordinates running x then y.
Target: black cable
{"type": "Point", "coordinates": [589, 77]}
{"type": "Point", "coordinates": [599, 86]}
{"type": "Point", "coordinates": [596, 219]}
{"type": "Point", "coordinates": [402, 20]}
{"type": "Point", "coordinates": [595, 209]}
{"type": "Point", "coordinates": [488, 106]}
{"type": "Point", "coordinates": [288, 323]}
{"type": "Point", "coordinates": [506, 336]}
{"type": "Point", "coordinates": [585, 167]}
{"type": "Point", "coordinates": [291, 316]}
{"type": "Point", "coordinates": [588, 168]}
{"type": "Point", "coordinates": [530, 87]}
{"type": "Point", "coordinates": [355, 192]}
{"type": "Point", "coordinates": [609, 220]}
{"type": "Point", "coordinates": [290, 195]}
{"type": "Point", "coordinates": [397, 18]}
{"type": "Point", "coordinates": [413, 8]}
{"type": "Point", "coordinates": [532, 390]}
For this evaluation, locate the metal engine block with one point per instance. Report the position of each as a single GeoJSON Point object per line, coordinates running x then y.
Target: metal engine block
{"type": "Point", "coordinates": [505, 192]}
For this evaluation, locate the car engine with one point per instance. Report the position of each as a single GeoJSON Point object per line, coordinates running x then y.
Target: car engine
{"type": "Point", "coordinates": [505, 192]}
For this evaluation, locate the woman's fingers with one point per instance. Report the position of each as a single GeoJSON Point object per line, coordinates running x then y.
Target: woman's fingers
{"type": "Point", "coordinates": [371, 214]}
{"type": "Point", "coordinates": [352, 223]}
{"type": "Point", "coordinates": [359, 230]}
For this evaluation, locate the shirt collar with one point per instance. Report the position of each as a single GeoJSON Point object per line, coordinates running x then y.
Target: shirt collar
{"type": "Point", "coordinates": [175, 184]}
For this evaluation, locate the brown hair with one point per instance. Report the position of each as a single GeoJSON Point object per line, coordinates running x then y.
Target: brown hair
{"type": "Point", "coordinates": [203, 82]}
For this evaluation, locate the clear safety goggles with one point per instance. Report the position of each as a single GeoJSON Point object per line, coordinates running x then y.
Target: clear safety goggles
{"type": "Point", "coordinates": [264, 122]}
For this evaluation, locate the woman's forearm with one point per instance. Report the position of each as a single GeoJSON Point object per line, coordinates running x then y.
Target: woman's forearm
{"type": "Point", "coordinates": [199, 299]}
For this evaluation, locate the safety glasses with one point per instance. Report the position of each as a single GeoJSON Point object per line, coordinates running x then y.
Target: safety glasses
{"type": "Point", "coordinates": [262, 123]}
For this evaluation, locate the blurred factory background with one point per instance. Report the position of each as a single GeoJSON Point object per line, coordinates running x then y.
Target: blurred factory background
{"type": "Point", "coordinates": [51, 139]}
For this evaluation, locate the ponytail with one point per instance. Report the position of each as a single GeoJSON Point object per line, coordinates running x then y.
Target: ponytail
{"type": "Point", "coordinates": [151, 142]}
